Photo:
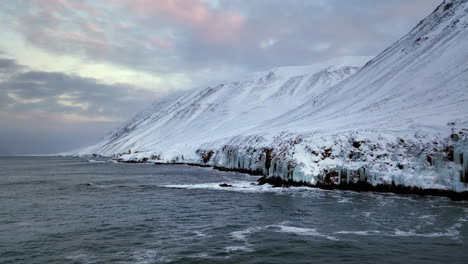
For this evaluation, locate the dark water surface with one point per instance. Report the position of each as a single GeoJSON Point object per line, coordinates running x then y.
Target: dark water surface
{"type": "Point", "coordinates": [68, 210]}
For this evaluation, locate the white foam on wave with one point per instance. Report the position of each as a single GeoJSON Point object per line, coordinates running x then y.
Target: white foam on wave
{"type": "Point", "coordinates": [451, 232]}
{"type": "Point", "coordinates": [147, 256]}
{"type": "Point", "coordinates": [427, 220]}
{"type": "Point", "coordinates": [102, 161]}
{"type": "Point", "coordinates": [96, 161]}
{"type": "Point", "coordinates": [244, 248]}
{"type": "Point", "coordinates": [199, 234]}
{"type": "Point", "coordinates": [236, 186]}
{"type": "Point", "coordinates": [249, 187]}
{"type": "Point", "coordinates": [243, 235]}
{"type": "Point", "coordinates": [82, 258]}
{"type": "Point", "coordinates": [412, 233]}
{"type": "Point", "coordinates": [285, 227]}
{"type": "Point", "coordinates": [398, 233]}
{"type": "Point", "coordinates": [344, 200]}
{"type": "Point", "coordinates": [443, 206]}
{"type": "Point", "coordinates": [301, 231]}
{"type": "Point", "coordinates": [361, 233]}
{"type": "Point", "coordinates": [201, 255]}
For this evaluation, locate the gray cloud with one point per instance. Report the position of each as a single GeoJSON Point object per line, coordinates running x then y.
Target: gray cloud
{"type": "Point", "coordinates": [33, 105]}
{"type": "Point", "coordinates": [49, 137]}
{"type": "Point", "coordinates": [26, 90]}
{"type": "Point", "coordinates": [8, 66]}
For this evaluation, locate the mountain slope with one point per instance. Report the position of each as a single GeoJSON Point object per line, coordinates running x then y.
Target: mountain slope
{"type": "Point", "coordinates": [420, 80]}
{"type": "Point", "coordinates": [401, 119]}
{"type": "Point", "coordinates": [227, 109]}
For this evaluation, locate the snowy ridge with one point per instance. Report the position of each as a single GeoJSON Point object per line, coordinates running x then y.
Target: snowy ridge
{"type": "Point", "coordinates": [217, 112]}
{"type": "Point", "coordinates": [401, 119]}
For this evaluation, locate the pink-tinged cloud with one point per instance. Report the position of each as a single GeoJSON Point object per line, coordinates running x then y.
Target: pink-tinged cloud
{"type": "Point", "coordinates": [54, 5]}
{"type": "Point", "coordinates": [84, 7]}
{"type": "Point", "coordinates": [96, 44]}
{"type": "Point", "coordinates": [213, 25]}
{"type": "Point", "coordinates": [162, 43]}
{"type": "Point", "coordinates": [79, 37]}
{"type": "Point", "coordinates": [91, 27]}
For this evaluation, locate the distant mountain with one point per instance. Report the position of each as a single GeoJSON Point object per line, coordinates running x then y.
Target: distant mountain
{"type": "Point", "coordinates": [401, 119]}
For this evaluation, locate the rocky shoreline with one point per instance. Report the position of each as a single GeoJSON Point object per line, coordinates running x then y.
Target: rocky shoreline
{"type": "Point", "coordinates": [367, 187]}
{"type": "Point", "coordinates": [278, 182]}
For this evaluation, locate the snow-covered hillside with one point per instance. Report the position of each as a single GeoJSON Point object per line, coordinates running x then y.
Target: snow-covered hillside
{"type": "Point", "coordinates": [188, 119]}
{"type": "Point", "coordinates": [402, 118]}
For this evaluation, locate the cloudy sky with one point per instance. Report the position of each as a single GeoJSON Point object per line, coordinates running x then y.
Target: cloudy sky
{"type": "Point", "coordinates": [71, 70]}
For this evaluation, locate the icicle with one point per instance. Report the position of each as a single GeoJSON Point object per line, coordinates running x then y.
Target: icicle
{"type": "Point", "coordinates": [457, 156]}
{"type": "Point", "coordinates": [362, 174]}
{"type": "Point", "coordinates": [465, 166]}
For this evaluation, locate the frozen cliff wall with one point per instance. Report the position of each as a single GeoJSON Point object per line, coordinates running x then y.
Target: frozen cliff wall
{"type": "Point", "coordinates": [401, 119]}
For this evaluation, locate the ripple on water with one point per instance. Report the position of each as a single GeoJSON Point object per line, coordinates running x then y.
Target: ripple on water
{"type": "Point", "coordinates": [147, 256]}
{"type": "Point", "coordinates": [83, 258]}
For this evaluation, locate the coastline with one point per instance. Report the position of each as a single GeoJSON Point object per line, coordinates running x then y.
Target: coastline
{"type": "Point", "coordinates": [357, 187]}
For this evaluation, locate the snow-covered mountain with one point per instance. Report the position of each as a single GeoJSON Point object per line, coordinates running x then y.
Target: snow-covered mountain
{"type": "Point", "coordinates": [402, 118]}
{"type": "Point", "coordinates": [194, 117]}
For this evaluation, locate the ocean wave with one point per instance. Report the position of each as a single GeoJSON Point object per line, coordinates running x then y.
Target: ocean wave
{"type": "Point", "coordinates": [102, 161]}
{"type": "Point", "coordinates": [250, 187]}
{"type": "Point", "coordinates": [238, 248]}
{"type": "Point", "coordinates": [300, 231]}
{"type": "Point", "coordinates": [451, 232]}
{"type": "Point", "coordinates": [361, 233]}
{"type": "Point", "coordinates": [243, 235]}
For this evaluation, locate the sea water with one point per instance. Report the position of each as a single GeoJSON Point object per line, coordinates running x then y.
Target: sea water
{"type": "Point", "coordinates": [75, 210]}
